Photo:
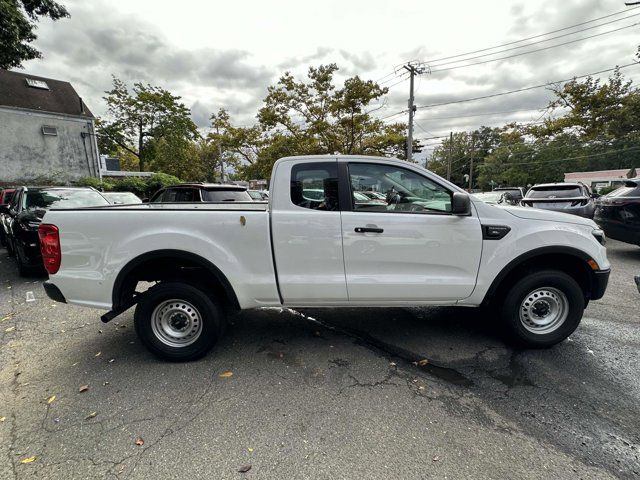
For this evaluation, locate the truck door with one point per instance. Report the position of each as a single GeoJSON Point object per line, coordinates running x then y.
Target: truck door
{"type": "Point", "coordinates": [307, 233]}
{"type": "Point", "coordinates": [406, 245]}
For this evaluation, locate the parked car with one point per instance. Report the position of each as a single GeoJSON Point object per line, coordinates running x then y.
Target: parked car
{"type": "Point", "coordinates": [573, 198]}
{"type": "Point", "coordinates": [492, 198]}
{"type": "Point", "coordinates": [515, 194]}
{"type": "Point", "coordinates": [536, 270]}
{"type": "Point", "coordinates": [258, 195]}
{"type": "Point", "coordinates": [618, 212]}
{"type": "Point", "coordinates": [122, 198]}
{"type": "Point", "coordinates": [6, 194]}
{"type": "Point", "coordinates": [24, 215]}
{"type": "Point", "coordinates": [375, 197]}
{"type": "Point", "coordinates": [201, 192]}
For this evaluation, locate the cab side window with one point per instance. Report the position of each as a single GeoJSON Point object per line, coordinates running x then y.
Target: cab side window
{"type": "Point", "coordinates": [386, 188]}
{"type": "Point", "coordinates": [315, 185]}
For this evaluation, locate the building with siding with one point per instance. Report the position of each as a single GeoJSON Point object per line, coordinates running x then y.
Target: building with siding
{"type": "Point", "coordinates": [47, 133]}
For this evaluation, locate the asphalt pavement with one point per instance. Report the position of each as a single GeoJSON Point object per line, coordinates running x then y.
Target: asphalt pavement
{"type": "Point", "coordinates": [323, 393]}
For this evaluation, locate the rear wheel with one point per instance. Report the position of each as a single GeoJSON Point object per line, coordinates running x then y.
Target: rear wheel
{"type": "Point", "coordinates": [178, 321]}
{"type": "Point", "coordinates": [542, 309]}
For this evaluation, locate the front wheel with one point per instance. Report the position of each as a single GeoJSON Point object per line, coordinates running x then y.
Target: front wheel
{"type": "Point", "coordinates": [178, 321]}
{"type": "Point", "coordinates": [542, 309]}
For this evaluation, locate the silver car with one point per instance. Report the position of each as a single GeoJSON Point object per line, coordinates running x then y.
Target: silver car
{"type": "Point", "coordinates": [574, 198]}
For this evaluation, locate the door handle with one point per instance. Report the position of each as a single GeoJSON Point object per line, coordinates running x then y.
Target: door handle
{"type": "Point", "coordinates": [368, 230]}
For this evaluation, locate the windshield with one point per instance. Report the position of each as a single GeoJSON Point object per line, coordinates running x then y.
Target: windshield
{"type": "Point", "coordinates": [625, 192]}
{"type": "Point", "coordinates": [570, 191]}
{"type": "Point", "coordinates": [226, 196]}
{"type": "Point", "coordinates": [60, 198]}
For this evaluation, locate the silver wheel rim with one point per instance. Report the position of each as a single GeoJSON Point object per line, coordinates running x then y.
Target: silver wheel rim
{"type": "Point", "coordinates": [544, 310]}
{"type": "Point", "coordinates": [176, 323]}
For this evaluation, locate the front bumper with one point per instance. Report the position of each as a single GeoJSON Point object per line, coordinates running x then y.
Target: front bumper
{"type": "Point", "coordinates": [599, 283]}
{"type": "Point", "coordinates": [53, 292]}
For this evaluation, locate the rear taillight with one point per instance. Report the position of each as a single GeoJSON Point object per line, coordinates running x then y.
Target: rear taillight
{"type": "Point", "coordinates": [50, 247]}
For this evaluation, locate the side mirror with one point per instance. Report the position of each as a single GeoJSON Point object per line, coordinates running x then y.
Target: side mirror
{"type": "Point", "coordinates": [595, 195]}
{"type": "Point", "coordinates": [4, 209]}
{"type": "Point", "coordinates": [460, 204]}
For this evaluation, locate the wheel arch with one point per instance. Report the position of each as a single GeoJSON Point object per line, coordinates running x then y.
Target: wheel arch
{"type": "Point", "coordinates": [171, 264]}
{"type": "Point", "coordinates": [571, 261]}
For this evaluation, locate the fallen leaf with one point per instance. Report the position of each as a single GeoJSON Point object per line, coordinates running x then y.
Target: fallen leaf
{"type": "Point", "coordinates": [226, 374]}
{"type": "Point", "coordinates": [423, 362]}
{"type": "Point", "coordinates": [51, 399]}
{"type": "Point", "coordinates": [244, 468]}
{"type": "Point", "coordinates": [139, 441]}
{"type": "Point", "coordinates": [393, 364]}
{"type": "Point", "coordinates": [2, 419]}
{"type": "Point", "coordinates": [91, 415]}
{"type": "Point", "coordinates": [83, 388]}
{"type": "Point", "coordinates": [98, 354]}
{"type": "Point", "coordinates": [250, 449]}
{"type": "Point", "coordinates": [436, 458]}
{"type": "Point", "coordinates": [112, 360]}
{"type": "Point", "coordinates": [8, 317]}
{"type": "Point", "coordinates": [10, 329]}
{"type": "Point", "coordinates": [28, 460]}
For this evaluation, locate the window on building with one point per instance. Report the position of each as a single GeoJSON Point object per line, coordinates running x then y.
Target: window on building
{"type": "Point", "coordinates": [41, 84]}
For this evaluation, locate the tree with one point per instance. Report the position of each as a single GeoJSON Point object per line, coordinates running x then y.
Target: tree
{"type": "Point", "coordinates": [461, 148]}
{"type": "Point", "coordinates": [307, 117]}
{"type": "Point", "coordinates": [141, 119]}
{"type": "Point", "coordinates": [322, 119]}
{"type": "Point", "coordinates": [17, 24]}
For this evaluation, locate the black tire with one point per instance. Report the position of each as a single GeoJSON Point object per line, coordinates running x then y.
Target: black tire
{"type": "Point", "coordinates": [515, 300]}
{"type": "Point", "coordinates": [10, 249]}
{"type": "Point", "coordinates": [209, 314]}
{"type": "Point", "coordinates": [24, 269]}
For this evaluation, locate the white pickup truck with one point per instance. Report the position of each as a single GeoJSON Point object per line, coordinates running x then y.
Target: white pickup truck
{"type": "Point", "coordinates": [337, 231]}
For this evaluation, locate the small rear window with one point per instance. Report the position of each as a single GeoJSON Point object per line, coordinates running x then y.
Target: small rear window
{"type": "Point", "coordinates": [226, 196]}
{"type": "Point", "coordinates": [570, 191]}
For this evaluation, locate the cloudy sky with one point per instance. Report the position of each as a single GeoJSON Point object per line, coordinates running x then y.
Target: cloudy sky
{"type": "Point", "coordinates": [225, 54]}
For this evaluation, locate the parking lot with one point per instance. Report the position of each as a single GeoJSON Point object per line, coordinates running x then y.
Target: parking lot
{"type": "Point", "coordinates": [379, 393]}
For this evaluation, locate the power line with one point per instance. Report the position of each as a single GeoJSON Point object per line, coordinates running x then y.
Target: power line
{"type": "Point", "coordinates": [531, 38]}
{"type": "Point", "coordinates": [524, 89]}
{"type": "Point", "coordinates": [535, 50]}
{"type": "Point", "coordinates": [622, 150]}
{"type": "Point", "coordinates": [488, 114]}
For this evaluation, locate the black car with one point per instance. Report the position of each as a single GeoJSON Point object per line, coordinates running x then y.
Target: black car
{"type": "Point", "coordinates": [24, 214]}
{"type": "Point", "coordinates": [201, 192]}
{"type": "Point", "coordinates": [618, 213]}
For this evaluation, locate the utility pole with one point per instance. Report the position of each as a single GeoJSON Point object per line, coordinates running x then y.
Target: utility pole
{"type": "Point", "coordinates": [450, 156]}
{"type": "Point", "coordinates": [414, 69]}
{"type": "Point", "coordinates": [471, 166]}
{"type": "Point", "coordinates": [220, 155]}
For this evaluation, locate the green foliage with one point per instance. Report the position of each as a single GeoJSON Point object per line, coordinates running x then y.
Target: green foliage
{"type": "Point", "coordinates": [597, 128]}
{"type": "Point", "coordinates": [307, 117]}
{"type": "Point", "coordinates": [141, 186]}
{"type": "Point", "coordinates": [143, 119]}
{"type": "Point", "coordinates": [17, 25]}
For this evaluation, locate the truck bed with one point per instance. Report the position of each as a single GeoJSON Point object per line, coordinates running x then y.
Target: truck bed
{"type": "Point", "coordinates": [97, 243]}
